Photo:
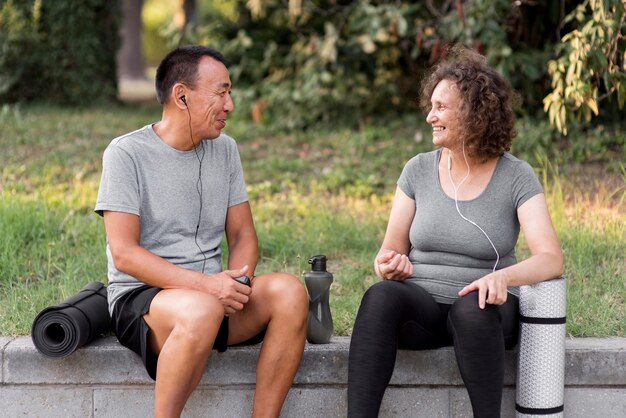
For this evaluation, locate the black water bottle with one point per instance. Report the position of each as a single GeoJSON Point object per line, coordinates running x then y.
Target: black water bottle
{"type": "Point", "coordinates": [319, 327]}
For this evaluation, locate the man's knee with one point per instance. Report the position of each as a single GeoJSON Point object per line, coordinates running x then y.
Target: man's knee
{"type": "Point", "coordinates": [183, 317]}
{"type": "Point", "coordinates": [199, 320]}
{"type": "Point", "coordinates": [287, 293]}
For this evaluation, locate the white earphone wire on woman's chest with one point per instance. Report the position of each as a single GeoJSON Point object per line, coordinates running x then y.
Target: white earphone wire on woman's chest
{"type": "Point", "coordinates": [456, 201]}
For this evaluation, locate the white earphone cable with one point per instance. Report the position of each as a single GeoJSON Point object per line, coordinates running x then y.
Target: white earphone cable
{"type": "Point", "coordinates": [456, 202]}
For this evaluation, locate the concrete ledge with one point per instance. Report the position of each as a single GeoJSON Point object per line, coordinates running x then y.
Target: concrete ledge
{"type": "Point", "coordinates": [105, 379]}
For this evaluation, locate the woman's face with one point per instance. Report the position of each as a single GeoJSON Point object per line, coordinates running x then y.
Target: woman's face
{"type": "Point", "coordinates": [444, 115]}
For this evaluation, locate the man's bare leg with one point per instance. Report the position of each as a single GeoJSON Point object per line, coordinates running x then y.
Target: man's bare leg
{"type": "Point", "coordinates": [280, 301]}
{"type": "Point", "coordinates": [183, 326]}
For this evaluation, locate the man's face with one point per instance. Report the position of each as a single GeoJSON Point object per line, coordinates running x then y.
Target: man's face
{"type": "Point", "coordinates": [210, 102]}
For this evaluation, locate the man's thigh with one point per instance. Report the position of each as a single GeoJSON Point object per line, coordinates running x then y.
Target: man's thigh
{"type": "Point", "coordinates": [181, 307]}
{"type": "Point", "coordinates": [268, 292]}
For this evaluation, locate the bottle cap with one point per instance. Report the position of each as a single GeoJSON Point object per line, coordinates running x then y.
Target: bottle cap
{"type": "Point", "coordinates": [318, 262]}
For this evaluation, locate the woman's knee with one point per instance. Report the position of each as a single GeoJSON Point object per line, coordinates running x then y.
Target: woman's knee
{"type": "Point", "coordinates": [466, 314]}
{"type": "Point", "coordinates": [383, 303]}
{"type": "Point", "coordinates": [382, 293]}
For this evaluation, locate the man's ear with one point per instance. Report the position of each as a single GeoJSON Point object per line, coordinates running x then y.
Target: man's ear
{"type": "Point", "coordinates": [178, 96]}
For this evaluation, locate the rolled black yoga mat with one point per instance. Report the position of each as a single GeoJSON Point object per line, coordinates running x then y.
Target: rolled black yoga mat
{"type": "Point", "coordinates": [61, 329]}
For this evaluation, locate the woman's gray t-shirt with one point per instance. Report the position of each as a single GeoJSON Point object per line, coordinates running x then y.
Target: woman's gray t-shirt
{"type": "Point", "coordinates": [448, 252]}
{"type": "Point", "coordinates": [144, 176]}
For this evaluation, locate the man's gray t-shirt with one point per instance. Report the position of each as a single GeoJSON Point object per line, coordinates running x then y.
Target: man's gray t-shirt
{"type": "Point", "coordinates": [144, 176]}
{"type": "Point", "coordinates": [448, 252]}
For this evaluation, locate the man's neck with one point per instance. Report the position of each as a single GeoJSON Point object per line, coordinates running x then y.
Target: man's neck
{"type": "Point", "coordinates": [174, 133]}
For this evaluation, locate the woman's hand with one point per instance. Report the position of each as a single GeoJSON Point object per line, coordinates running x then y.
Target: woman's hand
{"type": "Point", "coordinates": [391, 263]}
{"type": "Point", "coordinates": [393, 266]}
{"type": "Point", "coordinates": [491, 288]}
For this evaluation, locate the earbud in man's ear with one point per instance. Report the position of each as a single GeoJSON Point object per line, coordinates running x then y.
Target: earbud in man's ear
{"type": "Point", "coordinates": [183, 99]}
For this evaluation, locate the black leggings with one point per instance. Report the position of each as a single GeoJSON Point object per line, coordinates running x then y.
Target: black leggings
{"type": "Point", "coordinates": [403, 315]}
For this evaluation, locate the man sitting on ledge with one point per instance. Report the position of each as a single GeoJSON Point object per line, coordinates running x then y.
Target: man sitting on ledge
{"type": "Point", "coordinates": [169, 191]}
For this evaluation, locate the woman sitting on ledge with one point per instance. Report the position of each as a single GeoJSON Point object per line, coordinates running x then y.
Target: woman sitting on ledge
{"type": "Point", "coordinates": [447, 262]}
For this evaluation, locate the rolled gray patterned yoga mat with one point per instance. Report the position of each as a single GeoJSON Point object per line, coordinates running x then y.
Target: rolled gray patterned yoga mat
{"type": "Point", "coordinates": [61, 329]}
{"type": "Point", "coordinates": [541, 362]}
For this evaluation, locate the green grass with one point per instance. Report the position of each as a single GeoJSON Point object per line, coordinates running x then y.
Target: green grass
{"type": "Point", "coordinates": [592, 232]}
{"type": "Point", "coordinates": [327, 190]}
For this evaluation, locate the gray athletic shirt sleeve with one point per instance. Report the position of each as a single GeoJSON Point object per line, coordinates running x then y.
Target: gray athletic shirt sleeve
{"type": "Point", "coordinates": [448, 252]}
{"type": "Point", "coordinates": [144, 176]}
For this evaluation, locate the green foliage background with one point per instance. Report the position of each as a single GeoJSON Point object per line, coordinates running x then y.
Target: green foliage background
{"type": "Point", "coordinates": [590, 66]}
{"type": "Point", "coordinates": [298, 63]}
{"type": "Point", "coordinates": [58, 51]}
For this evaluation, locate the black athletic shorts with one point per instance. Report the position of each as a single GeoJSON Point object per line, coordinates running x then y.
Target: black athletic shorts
{"type": "Point", "coordinates": [132, 330]}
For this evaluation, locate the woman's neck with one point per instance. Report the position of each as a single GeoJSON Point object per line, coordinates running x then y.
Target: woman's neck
{"type": "Point", "coordinates": [463, 176]}
{"type": "Point", "coordinates": [460, 160]}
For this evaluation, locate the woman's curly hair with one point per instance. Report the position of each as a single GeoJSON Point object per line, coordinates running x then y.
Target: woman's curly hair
{"type": "Point", "coordinates": [487, 101]}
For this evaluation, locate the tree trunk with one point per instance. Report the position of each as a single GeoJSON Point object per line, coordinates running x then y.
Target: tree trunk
{"type": "Point", "coordinates": [130, 62]}
{"type": "Point", "coordinates": [189, 7]}
{"type": "Point", "coordinates": [186, 17]}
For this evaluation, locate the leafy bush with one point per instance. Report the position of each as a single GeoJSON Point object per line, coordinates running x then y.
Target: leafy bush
{"type": "Point", "coordinates": [335, 61]}
{"type": "Point", "coordinates": [62, 52]}
{"type": "Point", "coordinates": [20, 44]}
{"type": "Point", "coordinates": [591, 64]}
{"type": "Point", "coordinates": [536, 141]}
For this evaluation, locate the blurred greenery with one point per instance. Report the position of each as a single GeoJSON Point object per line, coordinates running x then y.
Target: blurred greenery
{"type": "Point", "coordinates": [591, 64]}
{"type": "Point", "coordinates": [61, 52]}
{"type": "Point", "coordinates": [299, 64]}
{"type": "Point", "coordinates": [156, 14]}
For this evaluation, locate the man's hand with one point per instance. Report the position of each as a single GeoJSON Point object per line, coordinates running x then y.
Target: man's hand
{"type": "Point", "coordinates": [492, 289]}
{"type": "Point", "coordinates": [232, 294]}
{"type": "Point", "coordinates": [394, 266]}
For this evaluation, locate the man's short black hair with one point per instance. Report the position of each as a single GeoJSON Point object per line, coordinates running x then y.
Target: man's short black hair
{"type": "Point", "coordinates": [181, 66]}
